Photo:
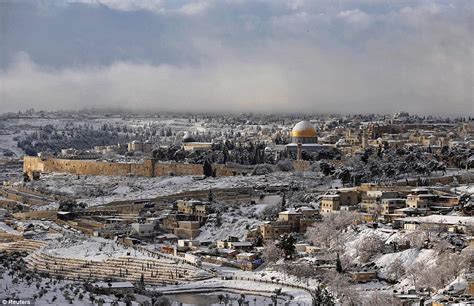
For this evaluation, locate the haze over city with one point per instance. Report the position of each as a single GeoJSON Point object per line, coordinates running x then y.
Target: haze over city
{"type": "Point", "coordinates": [260, 56]}
{"type": "Point", "coordinates": [236, 152]}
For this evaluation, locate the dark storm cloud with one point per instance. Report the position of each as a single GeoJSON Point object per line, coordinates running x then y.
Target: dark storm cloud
{"type": "Point", "coordinates": [327, 56]}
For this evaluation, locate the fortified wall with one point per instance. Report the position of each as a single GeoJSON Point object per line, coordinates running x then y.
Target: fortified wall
{"type": "Point", "coordinates": [165, 169]}
{"type": "Point", "coordinates": [148, 168]}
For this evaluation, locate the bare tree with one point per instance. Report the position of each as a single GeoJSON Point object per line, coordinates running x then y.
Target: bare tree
{"type": "Point", "coordinates": [415, 272]}
{"type": "Point", "coordinates": [328, 231]}
{"type": "Point", "coordinates": [396, 269]}
{"type": "Point", "coordinates": [272, 253]}
{"type": "Point", "coordinates": [441, 246]}
{"type": "Point", "coordinates": [270, 212]}
{"type": "Point", "coordinates": [370, 246]}
{"type": "Point", "coordinates": [448, 266]}
{"type": "Point", "coordinates": [341, 288]}
{"type": "Point", "coordinates": [433, 231]}
{"type": "Point", "coordinates": [417, 238]}
{"type": "Point", "coordinates": [302, 271]}
{"type": "Point", "coordinates": [350, 295]}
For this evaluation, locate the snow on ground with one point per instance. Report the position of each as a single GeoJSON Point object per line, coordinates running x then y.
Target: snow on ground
{"type": "Point", "coordinates": [463, 189]}
{"type": "Point", "coordinates": [408, 258]}
{"type": "Point", "coordinates": [235, 226]}
{"type": "Point", "coordinates": [258, 208]}
{"type": "Point", "coordinates": [354, 239]}
{"type": "Point", "coordinates": [54, 292]}
{"type": "Point", "coordinates": [97, 190]}
{"type": "Point", "coordinates": [458, 285]}
{"type": "Point", "coordinates": [236, 222]}
{"type": "Point", "coordinates": [43, 229]}
{"type": "Point", "coordinates": [7, 229]}
{"type": "Point", "coordinates": [458, 220]}
{"type": "Point", "coordinates": [7, 144]}
{"type": "Point", "coordinates": [49, 206]}
{"type": "Point", "coordinates": [93, 248]}
{"type": "Point", "coordinates": [22, 290]}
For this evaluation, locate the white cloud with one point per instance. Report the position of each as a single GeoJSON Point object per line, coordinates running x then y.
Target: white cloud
{"type": "Point", "coordinates": [351, 56]}
{"type": "Point", "coordinates": [297, 79]}
{"type": "Point", "coordinates": [126, 5]}
{"type": "Point", "coordinates": [194, 7]}
{"type": "Point", "coordinates": [156, 6]}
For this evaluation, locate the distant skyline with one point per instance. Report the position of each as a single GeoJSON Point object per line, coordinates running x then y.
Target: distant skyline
{"type": "Point", "coordinates": [295, 116]}
{"type": "Point", "coordinates": [346, 56]}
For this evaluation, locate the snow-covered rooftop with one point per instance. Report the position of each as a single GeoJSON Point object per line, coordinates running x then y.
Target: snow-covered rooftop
{"type": "Point", "coordinates": [289, 212]}
{"type": "Point", "coordinates": [442, 219]}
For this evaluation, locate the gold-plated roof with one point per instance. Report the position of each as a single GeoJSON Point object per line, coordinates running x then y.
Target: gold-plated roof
{"type": "Point", "coordinates": [303, 129]}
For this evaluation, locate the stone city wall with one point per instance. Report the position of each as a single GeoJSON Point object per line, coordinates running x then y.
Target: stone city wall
{"type": "Point", "coordinates": [165, 169]}
{"type": "Point", "coordinates": [91, 167]}
{"type": "Point", "coordinates": [84, 167]}
{"type": "Point", "coordinates": [148, 168]}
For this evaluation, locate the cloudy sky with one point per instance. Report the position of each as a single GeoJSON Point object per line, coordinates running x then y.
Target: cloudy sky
{"type": "Point", "coordinates": [265, 56]}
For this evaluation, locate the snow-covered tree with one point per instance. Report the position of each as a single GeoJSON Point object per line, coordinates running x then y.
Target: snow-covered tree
{"type": "Point", "coordinates": [396, 269]}
{"type": "Point", "coordinates": [417, 238]}
{"type": "Point", "coordinates": [270, 212]}
{"type": "Point", "coordinates": [448, 266]}
{"type": "Point", "coordinates": [328, 232]}
{"type": "Point", "coordinates": [415, 272]}
{"type": "Point", "coordinates": [370, 245]}
{"type": "Point", "coordinates": [272, 253]}
{"type": "Point", "coordinates": [341, 288]}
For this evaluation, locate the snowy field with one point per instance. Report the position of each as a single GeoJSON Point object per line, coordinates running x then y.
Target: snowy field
{"type": "Point", "coordinates": [53, 292]}
{"type": "Point", "coordinates": [7, 229]}
{"type": "Point", "coordinates": [43, 230]}
{"type": "Point", "coordinates": [469, 189]}
{"type": "Point", "coordinates": [91, 248]}
{"type": "Point", "coordinates": [236, 224]}
{"type": "Point", "coordinates": [98, 190]}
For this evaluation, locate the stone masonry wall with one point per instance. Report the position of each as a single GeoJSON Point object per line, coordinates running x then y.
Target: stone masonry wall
{"type": "Point", "coordinates": [165, 169]}
{"type": "Point", "coordinates": [91, 167]}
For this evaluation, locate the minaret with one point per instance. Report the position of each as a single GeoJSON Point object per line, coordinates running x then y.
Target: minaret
{"type": "Point", "coordinates": [365, 139]}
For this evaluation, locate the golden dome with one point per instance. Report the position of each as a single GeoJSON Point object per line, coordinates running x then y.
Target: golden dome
{"type": "Point", "coordinates": [303, 129]}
